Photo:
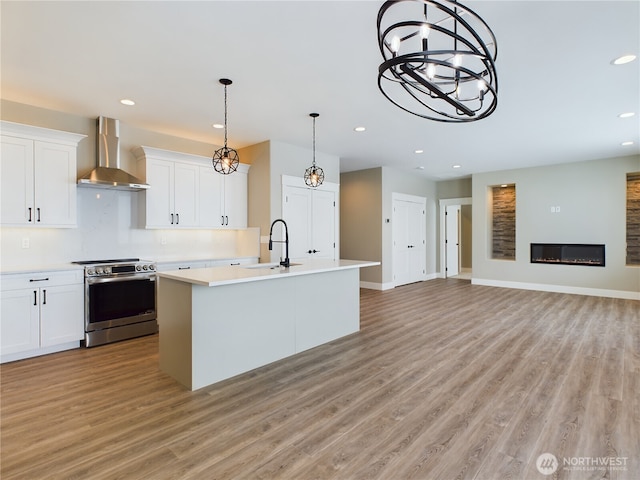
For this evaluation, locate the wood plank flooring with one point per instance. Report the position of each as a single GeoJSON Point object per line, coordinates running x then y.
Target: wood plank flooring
{"type": "Point", "coordinates": [445, 380]}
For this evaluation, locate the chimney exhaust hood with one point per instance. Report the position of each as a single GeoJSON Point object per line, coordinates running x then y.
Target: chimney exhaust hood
{"type": "Point", "coordinates": [108, 173]}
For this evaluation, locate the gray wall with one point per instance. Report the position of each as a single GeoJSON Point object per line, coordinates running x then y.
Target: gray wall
{"type": "Point", "coordinates": [591, 197]}
{"type": "Point", "coordinates": [366, 203]}
{"type": "Point", "coordinates": [361, 220]}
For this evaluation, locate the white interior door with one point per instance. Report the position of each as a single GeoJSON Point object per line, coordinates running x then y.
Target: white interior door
{"type": "Point", "coordinates": [409, 239]}
{"type": "Point", "coordinates": [323, 244]}
{"type": "Point", "coordinates": [296, 211]}
{"type": "Point", "coordinates": [452, 240]}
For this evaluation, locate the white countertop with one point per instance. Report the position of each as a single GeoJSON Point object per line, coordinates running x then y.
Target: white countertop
{"type": "Point", "coordinates": [216, 276]}
{"type": "Point", "coordinates": [60, 267]}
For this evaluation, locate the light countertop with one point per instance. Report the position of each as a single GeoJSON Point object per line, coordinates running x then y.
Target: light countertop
{"type": "Point", "coordinates": [217, 276]}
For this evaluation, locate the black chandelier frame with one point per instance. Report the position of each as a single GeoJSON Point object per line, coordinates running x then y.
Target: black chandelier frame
{"type": "Point", "coordinates": [428, 82]}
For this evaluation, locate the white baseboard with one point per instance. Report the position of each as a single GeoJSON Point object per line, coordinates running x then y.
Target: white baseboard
{"type": "Point", "coordinates": [377, 286]}
{"type": "Point", "coordinates": [543, 287]}
{"type": "Point", "coordinates": [390, 285]}
{"type": "Point", "coordinates": [12, 357]}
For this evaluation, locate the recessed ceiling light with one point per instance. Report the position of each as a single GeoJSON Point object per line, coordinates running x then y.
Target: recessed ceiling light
{"type": "Point", "coordinates": [456, 166]}
{"type": "Point", "coordinates": [418, 151]}
{"type": "Point", "coordinates": [127, 101]}
{"type": "Point", "coordinates": [627, 114]}
{"type": "Point", "coordinates": [420, 168]}
{"type": "Point", "coordinates": [624, 59]}
{"type": "Point", "coordinates": [504, 185]}
{"type": "Point", "coordinates": [626, 144]}
{"type": "Point", "coordinates": [359, 129]}
{"type": "Point", "coordinates": [218, 125]}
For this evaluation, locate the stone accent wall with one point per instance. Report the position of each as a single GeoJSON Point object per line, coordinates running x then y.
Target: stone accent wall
{"type": "Point", "coordinates": [633, 218]}
{"type": "Point", "coordinates": [503, 229]}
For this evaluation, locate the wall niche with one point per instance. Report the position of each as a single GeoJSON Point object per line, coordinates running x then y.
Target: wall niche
{"type": "Point", "coordinates": [633, 218]}
{"type": "Point", "coordinates": [503, 222]}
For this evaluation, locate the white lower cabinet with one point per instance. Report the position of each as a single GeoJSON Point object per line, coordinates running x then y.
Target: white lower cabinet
{"type": "Point", "coordinates": [41, 313]}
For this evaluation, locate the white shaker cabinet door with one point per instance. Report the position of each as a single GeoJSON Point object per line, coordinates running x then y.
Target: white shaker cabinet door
{"type": "Point", "coordinates": [159, 198]}
{"type": "Point", "coordinates": [235, 200]}
{"type": "Point", "coordinates": [16, 162]}
{"type": "Point", "coordinates": [55, 184]}
{"type": "Point", "coordinates": [186, 186]}
{"type": "Point", "coordinates": [211, 198]}
{"type": "Point", "coordinates": [61, 314]}
{"type": "Point", "coordinates": [20, 321]}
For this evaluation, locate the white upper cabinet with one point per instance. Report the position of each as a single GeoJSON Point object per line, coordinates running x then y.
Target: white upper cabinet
{"type": "Point", "coordinates": [38, 171]}
{"type": "Point", "coordinates": [172, 199]}
{"type": "Point", "coordinates": [186, 192]}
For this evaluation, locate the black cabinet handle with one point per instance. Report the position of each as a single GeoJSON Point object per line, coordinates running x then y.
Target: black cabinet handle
{"type": "Point", "coordinates": [177, 218]}
{"type": "Point", "coordinates": [172, 219]}
{"type": "Point", "coordinates": [35, 297]}
{"type": "Point", "coordinates": [309, 251]}
{"type": "Point", "coordinates": [184, 268]}
{"type": "Point", "coordinates": [39, 279]}
{"type": "Point", "coordinates": [316, 251]}
{"type": "Point", "coordinates": [38, 210]}
{"type": "Point", "coordinates": [235, 264]}
{"type": "Point", "coordinates": [44, 297]}
{"type": "Point", "coordinates": [222, 220]}
{"type": "Point", "coordinates": [30, 214]}
{"type": "Point", "coordinates": [227, 219]}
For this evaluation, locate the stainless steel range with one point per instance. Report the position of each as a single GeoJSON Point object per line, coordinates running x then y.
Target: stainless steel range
{"type": "Point", "coordinates": [120, 299]}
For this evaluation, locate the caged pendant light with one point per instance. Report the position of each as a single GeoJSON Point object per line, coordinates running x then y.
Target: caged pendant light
{"type": "Point", "coordinates": [314, 175]}
{"type": "Point", "coordinates": [438, 60]}
{"type": "Point", "coordinates": [225, 159]}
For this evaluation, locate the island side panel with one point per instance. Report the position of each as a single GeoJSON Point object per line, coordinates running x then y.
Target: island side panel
{"type": "Point", "coordinates": [327, 307]}
{"type": "Point", "coordinates": [174, 324]}
{"type": "Point", "coordinates": [239, 327]}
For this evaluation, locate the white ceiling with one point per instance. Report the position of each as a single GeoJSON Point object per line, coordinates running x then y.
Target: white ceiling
{"type": "Point", "coordinates": [558, 100]}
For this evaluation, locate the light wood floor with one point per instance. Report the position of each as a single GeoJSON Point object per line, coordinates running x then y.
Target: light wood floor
{"type": "Point", "coordinates": [445, 380]}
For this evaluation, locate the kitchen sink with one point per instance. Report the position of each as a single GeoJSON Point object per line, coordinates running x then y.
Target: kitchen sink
{"type": "Point", "coordinates": [268, 266]}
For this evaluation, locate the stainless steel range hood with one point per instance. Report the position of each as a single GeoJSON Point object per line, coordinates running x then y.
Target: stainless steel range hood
{"type": "Point", "coordinates": [108, 173]}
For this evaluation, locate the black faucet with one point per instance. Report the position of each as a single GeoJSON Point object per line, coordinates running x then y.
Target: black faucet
{"type": "Point", "coordinates": [285, 262]}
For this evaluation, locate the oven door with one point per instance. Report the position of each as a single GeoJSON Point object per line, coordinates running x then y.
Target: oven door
{"type": "Point", "coordinates": [119, 300]}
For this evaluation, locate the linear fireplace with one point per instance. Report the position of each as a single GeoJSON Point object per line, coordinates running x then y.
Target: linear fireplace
{"type": "Point", "coordinates": [568, 254]}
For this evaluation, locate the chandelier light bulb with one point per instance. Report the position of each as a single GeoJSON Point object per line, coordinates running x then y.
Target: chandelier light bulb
{"type": "Point", "coordinates": [395, 44]}
{"type": "Point", "coordinates": [457, 60]}
{"type": "Point", "coordinates": [431, 70]}
{"type": "Point", "coordinates": [424, 31]}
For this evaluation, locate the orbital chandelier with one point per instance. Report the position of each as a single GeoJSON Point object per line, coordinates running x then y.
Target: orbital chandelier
{"type": "Point", "coordinates": [314, 175]}
{"type": "Point", "coordinates": [439, 60]}
{"type": "Point", "coordinates": [225, 160]}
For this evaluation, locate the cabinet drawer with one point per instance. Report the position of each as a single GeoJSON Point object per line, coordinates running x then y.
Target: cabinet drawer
{"type": "Point", "coordinates": [18, 281]}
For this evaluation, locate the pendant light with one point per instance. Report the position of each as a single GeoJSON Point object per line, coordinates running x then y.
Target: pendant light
{"type": "Point", "coordinates": [225, 159]}
{"type": "Point", "coordinates": [314, 175]}
{"type": "Point", "coordinates": [439, 60]}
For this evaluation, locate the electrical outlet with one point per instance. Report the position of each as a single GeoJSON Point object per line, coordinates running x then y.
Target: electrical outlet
{"type": "Point", "coordinates": [25, 242]}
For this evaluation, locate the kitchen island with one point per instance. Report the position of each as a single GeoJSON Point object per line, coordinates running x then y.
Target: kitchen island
{"type": "Point", "coordinates": [218, 322]}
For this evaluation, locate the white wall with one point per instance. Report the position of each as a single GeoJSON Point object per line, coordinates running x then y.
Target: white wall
{"type": "Point", "coordinates": [592, 200]}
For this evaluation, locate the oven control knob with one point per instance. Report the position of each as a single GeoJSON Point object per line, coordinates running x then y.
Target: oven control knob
{"type": "Point", "coordinates": [152, 267]}
{"type": "Point", "coordinates": [91, 271]}
{"type": "Point", "coordinates": [138, 268]}
{"type": "Point", "coordinates": [107, 270]}
{"type": "Point", "coordinates": [99, 270]}
{"type": "Point", "coordinates": [144, 267]}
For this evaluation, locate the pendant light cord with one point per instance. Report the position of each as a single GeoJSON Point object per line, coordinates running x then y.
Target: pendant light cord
{"type": "Point", "coordinates": [225, 117]}
{"type": "Point", "coordinates": [314, 141]}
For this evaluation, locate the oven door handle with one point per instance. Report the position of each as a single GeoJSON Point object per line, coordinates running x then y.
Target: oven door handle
{"type": "Point", "coordinates": [126, 278]}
